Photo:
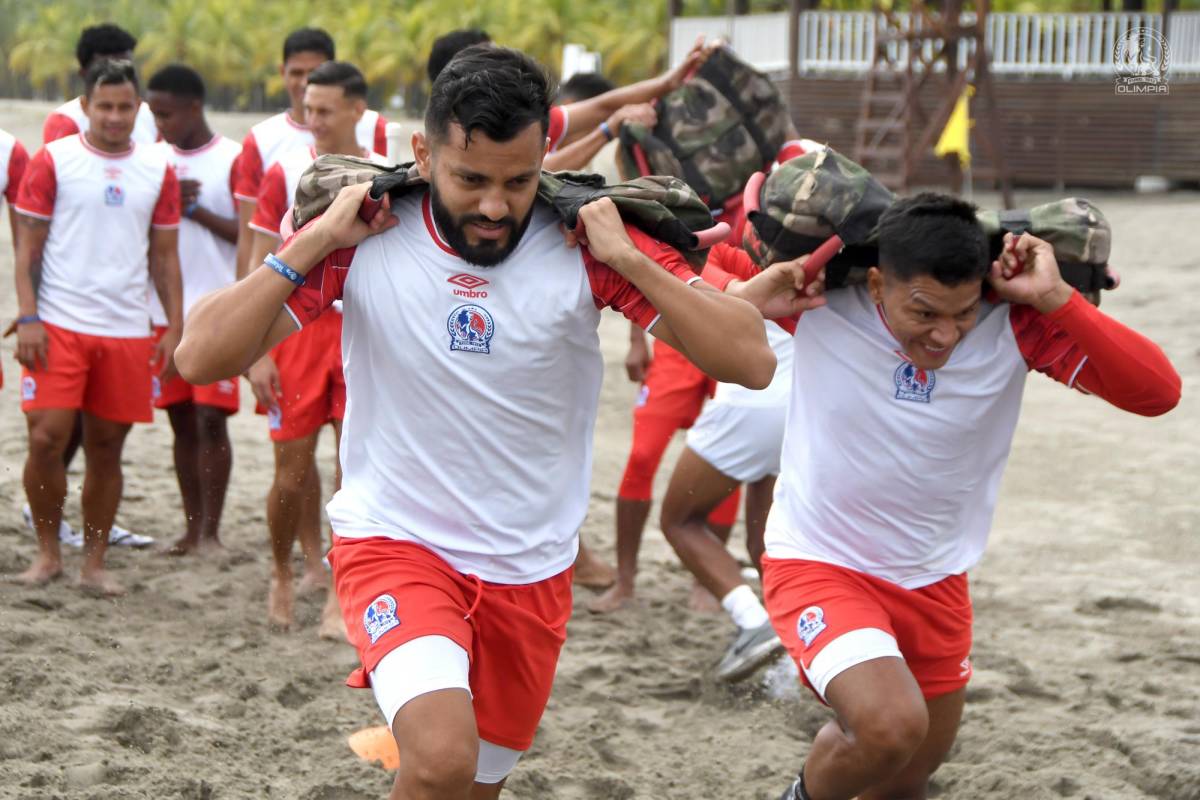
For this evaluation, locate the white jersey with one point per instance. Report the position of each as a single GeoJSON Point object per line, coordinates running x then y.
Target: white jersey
{"type": "Point", "coordinates": [13, 161]}
{"type": "Point", "coordinates": [277, 136]}
{"type": "Point", "coordinates": [206, 261]}
{"type": "Point", "coordinates": [101, 207]}
{"type": "Point", "coordinates": [776, 393]}
{"type": "Point", "coordinates": [471, 392]}
{"type": "Point", "coordinates": [69, 119]}
{"type": "Point", "coordinates": [889, 469]}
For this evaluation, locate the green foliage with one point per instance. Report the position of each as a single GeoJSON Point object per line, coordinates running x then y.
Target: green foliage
{"type": "Point", "coordinates": [236, 45]}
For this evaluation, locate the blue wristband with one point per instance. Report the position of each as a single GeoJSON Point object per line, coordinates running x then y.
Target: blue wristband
{"type": "Point", "coordinates": [190, 209]}
{"type": "Point", "coordinates": [28, 319]}
{"type": "Point", "coordinates": [283, 269]}
{"type": "Point", "coordinates": [607, 131]}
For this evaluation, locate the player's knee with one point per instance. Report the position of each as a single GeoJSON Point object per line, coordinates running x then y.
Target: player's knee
{"type": "Point", "coordinates": [45, 443]}
{"type": "Point", "coordinates": [439, 767]}
{"type": "Point", "coordinates": [892, 735]}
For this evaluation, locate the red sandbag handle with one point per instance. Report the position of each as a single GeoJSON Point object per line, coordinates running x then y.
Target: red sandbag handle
{"type": "Point", "coordinates": [820, 257]}
{"type": "Point", "coordinates": [752, 194]}
{"type": "Point", "coordinates": [366, 212]}
{"type": "Point", "coordinates": [713, 236]}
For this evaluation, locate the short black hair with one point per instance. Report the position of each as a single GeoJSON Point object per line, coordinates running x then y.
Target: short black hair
{"type": "Point", "coordinates": [584, 86]}
{"type": "Point", "coordinates": [309, 40]}
{"type": "Point", "coordinates": [448, 45]}
{"type": "Point", "coordinates": [102, 41]}
{"type": "Point", "coordinates": [340, 73]}
{"type": "Point", "coordinates": [933, 234]}
{"type": "Point", "coordinates": [179, 80]}
{"type": "Point", "coordinates": [496, 90]}
{"type": "Point", "coordinates": [110, 72]}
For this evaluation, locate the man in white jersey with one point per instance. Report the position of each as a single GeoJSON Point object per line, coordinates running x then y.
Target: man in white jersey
{"type": "Point", "coordinates": [204, 163]}
{"type": "Point", "coordinates": [466, 447]}
{"type": "Point", "coordinates": [105, 41]}
{"type": "Point", "coordinates": [299, 385]}
{"type": "Point", "coordinates": [905, 398]}
{"type": "Point", "coordinates": [13, 160]}
{"type": "Point", "coordinates": [303, 51]}
{"type": "Point", "coordinates": [99, 213]}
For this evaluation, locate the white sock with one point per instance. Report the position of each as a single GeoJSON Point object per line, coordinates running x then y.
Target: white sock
{"type": "Point", "coordinates": [743, 605]}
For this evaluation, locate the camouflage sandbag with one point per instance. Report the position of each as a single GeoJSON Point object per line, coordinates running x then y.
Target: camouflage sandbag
{"type": "Point", "coordinates": [665, 208]}
{"type": "Point", "coordinates": [809, 199]}
{"type": "Point", "coordinates": [725, 123]}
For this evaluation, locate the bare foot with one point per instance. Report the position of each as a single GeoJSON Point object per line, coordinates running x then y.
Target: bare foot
{"type": "Point", "coordinates": [703, 601]}
{"type": "Point", "coordinates": [183, 546]}
{"type": "Point", "coordinates": [591, 572]}
{"type": "Point", "coordinates": [210, 546]}
{"type": "Point", "coordinates": [40, 572]}
{"type": "Point", "coordinates": [333, 624]}
{"type": "Point", "coordinates": [614, 599]}
{"type": "Point", "coordinates": [313, 581]}
{"type": "Point", "coordinates": [281, 602]}
{"type": "Point", "coordinates": [99, 582]}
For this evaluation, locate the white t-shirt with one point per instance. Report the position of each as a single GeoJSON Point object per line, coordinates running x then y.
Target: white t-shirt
{"type": "Point", "coordinates": [892, 470]}
{"type": "Point", "coordinates": [69, 119]}
{"type": "Point", "coordinates": [775, 394]}
{"type": "Point", "coordinates": [471, 392]}
{"type": "Point", "coordinates": [277, 136]}
{"type": "Point", "coordinates": [206, 261]}
{"type": "Point", "coordinates": [101, 207]}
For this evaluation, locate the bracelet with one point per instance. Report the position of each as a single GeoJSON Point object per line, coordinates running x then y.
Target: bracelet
{"type": "Point", "coordinates": [28, 319]}
{"type": "Point", "coordinates": [283, 269]}
{"type": "Point", "coordinates": [190, 209]}
{"type": "Point", "coordinates": [607, 131]}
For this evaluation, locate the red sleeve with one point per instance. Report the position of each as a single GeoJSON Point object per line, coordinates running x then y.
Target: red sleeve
{"type": "Point", "coordinates": [610, 289]}
{"type": "Point", "coordinates": [322, 285]}
{"type": "Point", "coordinates": [1081, 347]}
{"type": "Point", "coordinates": [18, 160]}
{"type": "Point", "coordinates": [381, 136]}
{"type": "Point", "coordinates": [558, 126]}
{"type": "Point", "coordinates": [166, 211]}
{"type": "Point", "coordinates": [249, 171]}
{"type": "Point", "coordinates": [58, 126]}
{"type": "Point", "coordinates": [791, 149]}
{"type": "Point", "coordinates": [726, 264]}
{"type": "Point", "coordinates": [272, 201]}
{"type": "Point", "coordinates": [39, 187]}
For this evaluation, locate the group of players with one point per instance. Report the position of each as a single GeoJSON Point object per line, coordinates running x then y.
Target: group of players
{"type": "Point", "coordinates": [462, 378]}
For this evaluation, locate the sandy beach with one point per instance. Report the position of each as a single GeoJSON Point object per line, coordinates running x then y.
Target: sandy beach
{"type": "Point", "coordinates": [1087, 636]}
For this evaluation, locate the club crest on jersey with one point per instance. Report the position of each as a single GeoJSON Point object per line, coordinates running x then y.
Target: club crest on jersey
{"type": "Point", "coordinates": [114, 195]}
{"type": "Point", "coordinates": [471, 328]}
{"type": "Point", "coordinates": [155, 387]}
{"type": "Point", "coordinates": [274, 418]}
{"type": "Point", "coordinates": [468, 285]}
{"type": "Point", "coordinates": [28, 388]}
{"type": "Point", "coordinates": [810, 624]}
{"type": "Point", "coordinates": [380, 617]}
{"type": "Point", "coordinates": [913, 383]}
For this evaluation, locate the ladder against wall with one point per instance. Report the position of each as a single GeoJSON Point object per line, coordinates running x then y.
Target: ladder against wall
{"type": "Point", "coordinates": [916, 48]}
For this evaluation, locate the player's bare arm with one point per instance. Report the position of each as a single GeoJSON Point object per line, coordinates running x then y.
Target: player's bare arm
{"type": "Point", "coordinates": [780, 290]}
{"type": "Point", "coordinates": [232, 328]}
{"type": "Point", "coordinates": [638, 359]}
{"type": "Point", "coordinates": [580, 152]}
{"type": "Point", "coordinates": [224, 227]}
{"type": "Point", "coordinates": [31, 336]}
{"type": "Point", "coordinates": [264, 373]}
{"type": "Point", "coordinates": [168, 284]}
{"type": "Point", "coordinates": [696, 320]}
{"type": "Point", "coordinates": [584, 116]}
{"type": "Point", "coordinates": [245, 236]}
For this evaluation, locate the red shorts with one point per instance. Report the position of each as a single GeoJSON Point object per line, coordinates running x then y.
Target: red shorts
{"type": "Point", "coordinates": [312, 388]}
{"type": "Point", "coordinates": [820, 608]}
{"type": "Point", "coordinates": [674, 388]}
{"type": "Point", "coordinates": [106, 376]}
{"type": "Point", "coordinates": [222, 394]}
{"type": "Point", "coordinates": [512, 633]}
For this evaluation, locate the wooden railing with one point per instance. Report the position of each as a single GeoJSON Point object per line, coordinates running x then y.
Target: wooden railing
{"type": "Point", "coordinates": [1062, 45]}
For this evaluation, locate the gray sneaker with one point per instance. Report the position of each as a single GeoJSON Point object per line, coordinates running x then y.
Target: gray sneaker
{"type": "Point", "coordinates": [751, 648]}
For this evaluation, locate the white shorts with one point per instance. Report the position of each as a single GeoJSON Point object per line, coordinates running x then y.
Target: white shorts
{"type": "Point", "coordinates": [430, 664]}
{"type": "Point", "coordinates": [743, 442]}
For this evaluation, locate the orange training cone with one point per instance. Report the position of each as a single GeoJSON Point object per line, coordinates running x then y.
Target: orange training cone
{"type": "Point", "coordinates": [376, 744]}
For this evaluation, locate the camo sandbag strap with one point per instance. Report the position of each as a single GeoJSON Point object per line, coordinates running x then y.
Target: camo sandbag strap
{"type": "Point", "coordinates": [329, 174]}
{"type": "Point", "coordinates": [716, 70]}
{"type": "Point", "coordinates": [660, 148]}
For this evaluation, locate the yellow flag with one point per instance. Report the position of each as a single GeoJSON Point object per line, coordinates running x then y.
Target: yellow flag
{"type": "Point", "coordinates": [956, 138]}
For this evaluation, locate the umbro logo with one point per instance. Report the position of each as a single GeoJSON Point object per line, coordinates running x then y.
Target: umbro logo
{"type": "Point", "coordinates": [469, 285]}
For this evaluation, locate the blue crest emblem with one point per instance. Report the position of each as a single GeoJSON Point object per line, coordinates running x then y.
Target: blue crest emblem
{"type": "Point", "coordinates": [380, 617]}
{"type": "Point", "coordinates": [114, 195]}
{"type": "Point", "coordinates": [155, 387]}
{"type": "Point", "coordinates": [913, 383]}
{"type": "Point", "coordinates": [28, 388]}
{"type": "Point", "coordinates": [471, 328]}
{"type": "Point", "coordinates": [810, 624]}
